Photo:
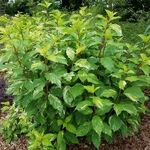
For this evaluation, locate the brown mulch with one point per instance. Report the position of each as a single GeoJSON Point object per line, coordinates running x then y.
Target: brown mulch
{"type": "Point", "coordinates": [141, 140]}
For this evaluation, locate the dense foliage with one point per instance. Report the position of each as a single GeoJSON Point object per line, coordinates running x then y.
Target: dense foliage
{"type": "Point", "coordinates": [72, 79]}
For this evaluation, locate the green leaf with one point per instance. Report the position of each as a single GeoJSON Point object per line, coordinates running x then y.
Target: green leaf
{"type": "Point", "coordinates": [125, 106]}
{"type": "Point", "coordinates": [86, 111]}
{"type": "Point", "coordinates": [96, 139]}
{"type": "Point", "coordinates": [109, 93]}
{"type": "Point", "coordinates": [53, 78]}
{"type": "Point", "coordinates": [83, 63]}
{"type": "Point", "coordinates": [55, 102]}
{"type": "Point", "coordinates": [115, 122]}
{"type": "Point", "coordinates": [67, 95]}
{"type": "Point", "coordinates": [132, 78]}
{"type": "Point", "coordinates": [107, 129]}
{"type": "Point", "coordinates": [70, 53]}
{"type": "Point", "coordinates": [122, 84]}
{"type": "Point", "coordinates": [82, 75]}
{"type": "Point", "coordinates": [135, 94]}
{"type": "Point", "coordinates": [145, 69]}
{"type": "Point", "coordinates": [77, 90]}
{"type": "Point", "coordinates": [57, 58]}
{"type": "Point", "coordinates": [83, 105]}
{"type": "Point", "coordinates": [71, 138]}
{"type": "Point", "coordinates": [60, 141]}
{"type": "Point", "coordinates": [92, 78]}
{"type": "Point", "coordinates": [108, 63]}
{"type": "Point", "coordinates": [97, 124]}
{"type": "Point", "coordinates": [84, 128]}
{"type": "Point", "coordinates": [71, 128]}
{"type": "Point", "coordinates": [79, 49]}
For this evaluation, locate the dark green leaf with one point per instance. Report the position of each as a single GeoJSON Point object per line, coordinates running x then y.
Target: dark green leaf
{"type": "Point", "coordinates": [71, 138]}
{"type": "Point", "coordinates": [125, 106]}
{"type": "Point", "coordinates": [84, 128]}
{"type": "Point", "coordinates": [108, 63]}
{"type": "Point", "coordinates": [134, 94]}
{"type": "Point", "coordinates": [115, 122]}
{"type": "Point", "coordinates": [107, 129]}
{"type": "Point", "coordinates": [96, 139]}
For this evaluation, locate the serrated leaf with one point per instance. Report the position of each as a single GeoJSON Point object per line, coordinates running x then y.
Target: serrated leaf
{"type": "Point", "coordinates": [115, 122]}
{"type": "Point", "coordinates": [97, 124]}
{"type": "Point", "coordinates": [135, 94]}
{"type": "Point", "coordinates": [84, 128]}
{"type": "Point", "coordinates": [55, 102]}
{"type": "Point", "coordinates": [108, 63]}
{"type": "Point", "coordinates": [125, 106]}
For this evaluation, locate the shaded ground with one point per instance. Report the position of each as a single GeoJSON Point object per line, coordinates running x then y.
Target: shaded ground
{"type": "Point", "coordinates": [141, 140]}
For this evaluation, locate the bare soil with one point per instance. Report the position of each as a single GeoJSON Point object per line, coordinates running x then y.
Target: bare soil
{"type": "Point", "coordinates": [141, 140]}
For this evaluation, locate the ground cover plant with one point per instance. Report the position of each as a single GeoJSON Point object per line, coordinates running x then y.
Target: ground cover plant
{"type": "Point", "coordinates": [70, 79]}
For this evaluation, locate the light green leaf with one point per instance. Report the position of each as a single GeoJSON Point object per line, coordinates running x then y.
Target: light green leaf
{"type": "Point", "coordinates": [82, 75]}
{"type": "Point", "coordinates": [84, 128]}
{"type": "Point", "coordinates": [83, 63]}
{"type": "Point", "coordinates": [55, 102]}
{"type": "Point", "coordinates": [97, 124]}
{"type": "Point", "coordinates": [61, 59]}
{"type": "Point", "coordinates": [135, 94]}
{"type": "Point", "coordinates": [132, 78]}
{"type": "Point", "coordinates": [71, 128]}
{"type": "Point", "coordinates": [116, 28]}
{"type": "Point", "coordinates": [97, 101]}
{"type": "Point", "coordinates": [122, 84]}
{"type": "Point", "coordinates": [145, 69]}
{"type": "Point", "coordinates": [115, 122]}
